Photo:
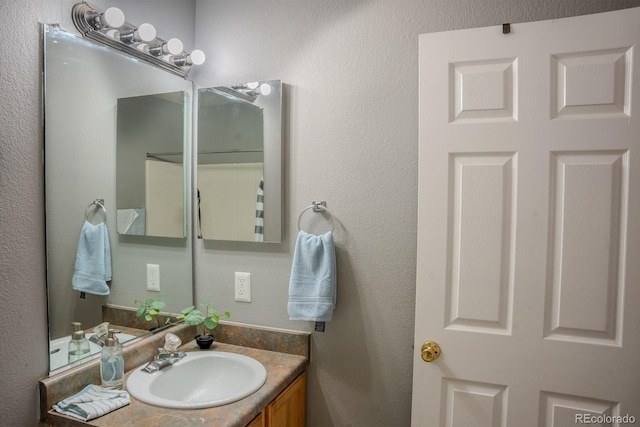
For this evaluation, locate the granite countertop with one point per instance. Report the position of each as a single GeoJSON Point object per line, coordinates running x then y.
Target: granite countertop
{"type": "Point", "coordinates": [282, 369]}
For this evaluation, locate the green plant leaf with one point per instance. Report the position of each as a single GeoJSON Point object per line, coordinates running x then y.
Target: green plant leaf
{"type": "Point", "coordinates": [194, 317]}
{"type": "Point", "coordinates": [158, 305]}
{"type": "Point", "coordinates": [187, 310]}
{"type": "Point", "coordinates": [227, 314]}
{"type": "Point", "coordinates": [211, 322]}
{"type": "Point", "coordinates": [141, 310]}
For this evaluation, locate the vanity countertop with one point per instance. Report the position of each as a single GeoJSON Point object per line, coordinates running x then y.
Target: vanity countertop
{"type": "Point", "coordinates": [282, 369]}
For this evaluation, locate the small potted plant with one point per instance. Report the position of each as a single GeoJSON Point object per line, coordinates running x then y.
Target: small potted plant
{"type": "Point", "coordinates": [207, 320]}
{"type": "Point", "coordinates": [150, 309]}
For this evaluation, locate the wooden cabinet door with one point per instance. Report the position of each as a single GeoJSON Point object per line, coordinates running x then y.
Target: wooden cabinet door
{"type": "Point", "coordinates": [288, 409]}
{"type": "Point", "coordinates": [259, 421]}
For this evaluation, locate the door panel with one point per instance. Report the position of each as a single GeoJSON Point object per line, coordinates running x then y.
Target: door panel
{"type": "Point", "coordinates": [469, 403]}
{"type": "Point", "coordinates": [480, 279]}
{"type": "Point", "coordinates": [588, 205]}
{"type": "Point", "coordinates": [591, 84]}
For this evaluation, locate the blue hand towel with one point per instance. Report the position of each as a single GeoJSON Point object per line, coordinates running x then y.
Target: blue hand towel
{"type": "Point", "coordinates": [92, 402]}
{"type": "Point", "coordinates": [312, 287]}
{"type": "Point", "coordinates": [93, 260]}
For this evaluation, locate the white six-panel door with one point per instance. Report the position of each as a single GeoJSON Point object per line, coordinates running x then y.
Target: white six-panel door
{"type": "Point", "coordinates": [528, 270]}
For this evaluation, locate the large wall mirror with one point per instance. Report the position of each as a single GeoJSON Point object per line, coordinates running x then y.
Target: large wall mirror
{"type": "Point", "coordinates": [100, 108]}
{"type": "Point", "coordinates": [239, 171]}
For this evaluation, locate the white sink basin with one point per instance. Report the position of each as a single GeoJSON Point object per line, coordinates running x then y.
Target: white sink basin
{"type": "Point", "coordinates": [202, 379]}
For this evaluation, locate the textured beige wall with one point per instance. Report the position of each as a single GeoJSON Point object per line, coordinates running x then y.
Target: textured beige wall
{"type": "Point", "coordinates": [352, 140]}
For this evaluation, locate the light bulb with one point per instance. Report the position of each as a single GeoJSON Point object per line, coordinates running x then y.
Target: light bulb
{"type": "Point", "coordinates": [143, 34]}
{"type": "Point", "coordinates": [196, 57]}
{"type": "Point", "coordinates": [253, 85]}
{"type": "Point", "coordinates": [173, 46]}
{"type": "Point", "coordinates": [167, 49]}
{"type": "Point", "coordinates": [113, 33]}
{"type": "Point", "coordinates": [265, 89]}
{"type": "Point", "coordinates": [112, 17]}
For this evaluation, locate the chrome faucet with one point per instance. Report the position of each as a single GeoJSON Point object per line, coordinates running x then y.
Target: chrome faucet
{"type": "Point", "coordinates": [164, 359]}
{"type": "Point", "coordinates": [166, 356]}
{"type": "Point", "coordinates": [100, 340]}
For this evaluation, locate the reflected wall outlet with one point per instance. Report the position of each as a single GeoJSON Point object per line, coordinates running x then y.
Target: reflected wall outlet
{"type": "Point", "coordinates": [153, 277]}
{"type": "Point", "coordinates": [243, 287]}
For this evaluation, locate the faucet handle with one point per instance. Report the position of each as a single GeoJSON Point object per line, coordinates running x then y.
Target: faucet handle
{"type": "Point", "coordinates": [102, 329]}
{"type": "Point", "coordinates": [164, 354]}
{"type": "Point", "coordinates": [172, 342]}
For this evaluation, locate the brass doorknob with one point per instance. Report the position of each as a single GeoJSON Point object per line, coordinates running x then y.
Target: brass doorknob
{"type": "Point", "coordinates": [430, 351]}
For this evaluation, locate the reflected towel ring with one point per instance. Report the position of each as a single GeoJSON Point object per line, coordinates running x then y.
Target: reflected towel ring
{"type": "Point", "coordinates": [317, 207]}
{"type": "Point", "coordinates": [98, 203]}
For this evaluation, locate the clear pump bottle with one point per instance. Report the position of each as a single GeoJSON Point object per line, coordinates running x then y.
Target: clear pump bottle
{"type": "Point", "coordinates": [79, 344]}
{"type": "Point", "coordinates": [112, 362]}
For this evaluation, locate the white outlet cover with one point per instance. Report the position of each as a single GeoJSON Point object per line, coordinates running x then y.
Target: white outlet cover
{"type": "Point", "coordinates": [153, 277]}
{"type": "Point", "coordinates": [243, 286]}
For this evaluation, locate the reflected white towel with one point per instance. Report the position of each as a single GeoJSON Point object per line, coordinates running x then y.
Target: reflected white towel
{"type": "Point", "coordinates": [124, 219]}
{"type": "Point", "coordinates": [131, 221]}
{"type": "Point", "coordinates": [93, 260]}
{"type": "Point", "coordinates": [92, 402]}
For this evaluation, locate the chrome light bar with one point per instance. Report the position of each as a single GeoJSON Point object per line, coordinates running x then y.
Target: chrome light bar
{"type": "Point", "coordinates": [110, 28]}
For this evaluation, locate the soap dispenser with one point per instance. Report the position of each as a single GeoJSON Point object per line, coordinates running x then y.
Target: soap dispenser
{"type": "Point", "coordinates": [79, 345]}
{"type": "Point", "coordinates": [112, 362]}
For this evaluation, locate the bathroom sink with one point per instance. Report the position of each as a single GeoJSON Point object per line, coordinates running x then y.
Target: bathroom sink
{"type": "Point", "coordinates": [202, 379]}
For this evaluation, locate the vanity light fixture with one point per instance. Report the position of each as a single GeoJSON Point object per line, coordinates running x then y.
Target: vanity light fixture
{"type": "Point", "coordinates": [253, 89]}
{"type": "Point", "coordinates": [109, 27]}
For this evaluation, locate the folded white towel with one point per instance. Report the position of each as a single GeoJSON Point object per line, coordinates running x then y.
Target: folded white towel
{"type": "Point", "coordinates": [124, 220]}
{"type": "Point", "coordinates": [93, 260]}
{"type": "Point", "coordinates": [312, 287]}
{"type": "Point", "coordinates": [92, 402]}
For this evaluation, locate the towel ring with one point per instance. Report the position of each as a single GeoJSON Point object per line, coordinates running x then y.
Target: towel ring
{"type": "Point", "coordinates": [98, 203]}
{"type": "Point", "coordinates": [317, 207]}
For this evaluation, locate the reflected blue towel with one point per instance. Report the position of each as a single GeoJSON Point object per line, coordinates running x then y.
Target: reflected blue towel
{"type": "Point", "coordinates": [93, 260]}
{"type": "Point", "coordinates": [92, 402]}
{"type": "Point", "coordinates": [312, 287]}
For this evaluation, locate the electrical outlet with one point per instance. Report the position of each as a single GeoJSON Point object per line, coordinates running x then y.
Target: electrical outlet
{"type": "Point", "coordinates": [243, 286]}
{"type": "Point", "coordinates": [153, 277]}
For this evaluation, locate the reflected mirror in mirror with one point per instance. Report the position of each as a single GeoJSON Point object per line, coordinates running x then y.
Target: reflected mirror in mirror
{"type": "Point", "coordinates": [149, 165]}
{"type": "Point", "coordinates": [239, 167]}
{"type": "Point", "coordinates": [84, 86]}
